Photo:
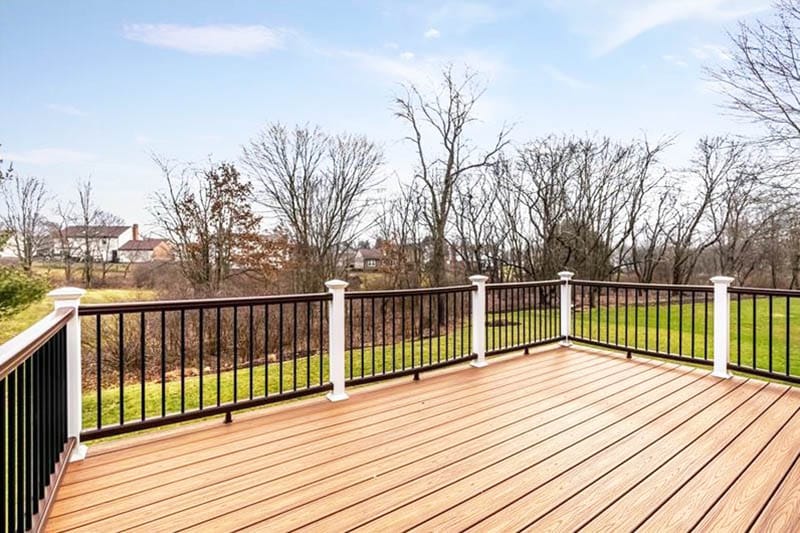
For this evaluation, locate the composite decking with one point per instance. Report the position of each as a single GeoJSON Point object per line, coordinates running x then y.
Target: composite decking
{"type": "Point", "coordinates": [561, 439]}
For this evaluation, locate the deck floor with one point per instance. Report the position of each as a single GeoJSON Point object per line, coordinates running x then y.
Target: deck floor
{"type": "Point", "coordinates": [562, 439]}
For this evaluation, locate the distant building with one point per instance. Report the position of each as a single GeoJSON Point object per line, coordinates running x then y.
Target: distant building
{"type": "Point", "coordinates": [145, 251]}
{"type": "Point", "coordinates": [367, 259]}
{"type": "Point", "coordinates": [103, 242]}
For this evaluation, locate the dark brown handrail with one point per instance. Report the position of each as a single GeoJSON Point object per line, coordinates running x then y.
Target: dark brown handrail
{"type": "Point", "coordinates": [757, 291]}
{"type": "Point", "coordinates": [523, 284]}
{"type": "Point", "coordinates": [643, 286]}
{"type": "Point", "coordinates": [409, 292]}
{"type": "Point", "coordinates": [16, 351]}
{"type": "Point", "coordinates": [209, 303]}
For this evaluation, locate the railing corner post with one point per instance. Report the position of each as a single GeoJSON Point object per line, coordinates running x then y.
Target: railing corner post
{"type": "Point", "coordinates": [70, 298]}
{"type": "Point", "coordinates": [336, 324]}
{"type": "Point", "coordinates": [479, 320]}
{"type": "Point", "coordinates": [566, 306]}
{"type": "Point", "coordinates": [721, 325]}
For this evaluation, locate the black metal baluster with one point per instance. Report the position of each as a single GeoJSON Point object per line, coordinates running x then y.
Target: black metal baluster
{"type": "Point", "coordinates": [219, 354]}
{"type": "Point", "coordinates": [183, 361]}
{"type": "Point", "coordinates": [394, 337]}
{"type": "Point", "coordinates": [693, 324]}
{"type": "Point", "coordinates": [754, 331]}
{"type": "Point", "coordinates": [403, 330]}
{"type": "Point", "coordinates": [142, 380]}
{"type": "Point", "coordinates": [280, 348]}
{"type": "Point", "coordinates": [294, 346]}
{"type": "Point", "coordinates": [769, 334]}
{"type": "Point", "coordinates": [99, 363]}
{"type": "Point", "coordinates": [250, 341]}
{"type": "Point", "coordinates": [12, 441]}
{"type": "Point", "coordinates": [372, 318]}
{"type": "Point", "coordinates": [30, 500]}
{"type": "Point", "coordinates": [164, 363]}
{"type": "Point", "coordinates": [235, 311]}
{"type": "Point", "coordinates": [200, 354]}
{"type": "Point", "coordinates": [351, 345]}
{"type": "Point", "coordinates": [669, 321]}
{"type": "Point", "coordinates": [705, 325]}
{"type": "Point", "coordinates": [647, 320]}
{"type": "Point", "coordinates": [308, 344]}
{"type": "Point", "coordinates": [266, 350]}
{"type": "Point", "coordinates": [680, 323]}
{"type": "Point", "coordinates": [321, 341]}
{"type": "Point", "coordinates": [739, 329]}
{"type": "Point", "coordinates": [383, 335]}
{"type": "Point", "coordinates": [658, 321]}
{"type": "Point", "coordinates": [121, 370]}
{"type": "Point", "coordinates": [413, 323]}
{"type": "Point", "coordinates": [361, 322]}
{"type": "Point", "coordinates": [788, 309]}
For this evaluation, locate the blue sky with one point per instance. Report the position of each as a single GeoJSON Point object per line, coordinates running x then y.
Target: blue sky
{"type": "Point", "coordinates": [91, 88]}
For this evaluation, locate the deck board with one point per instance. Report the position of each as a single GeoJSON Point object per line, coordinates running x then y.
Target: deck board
{"type": "Point", "coordinates": [556, 440]}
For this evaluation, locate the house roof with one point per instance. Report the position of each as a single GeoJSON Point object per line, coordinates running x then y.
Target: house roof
{"type": "Point", "coordinates": [370, 253]}
{"type": "Point", "coordinates": [97, 232]}
{"type": "Point", "coordinates": [141, 245]}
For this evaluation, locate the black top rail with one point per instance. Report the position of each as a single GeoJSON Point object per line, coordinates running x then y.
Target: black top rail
{"type": "Point", "coordinates": [408, 292]}
{"type": "Point", "coordinates": [757, 291]}
{"type": "Point", "coordinates": [192, 304]}
{"type": "Point", "coordinates": [643, 286]}
{"type": "Point", "coordinates": [524, 284]}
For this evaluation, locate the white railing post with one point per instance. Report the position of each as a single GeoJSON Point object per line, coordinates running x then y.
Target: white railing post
{"type": "Point", "coordinates": [566, 305]}
{"type": "Point", "coordinates": [721, 325]}
{"type": "Point", "coordinates": [479, 320]}
{"type": "Point", "coordinates": [336, 339]}
{"type": "Point", "coordinates": [70, 298]}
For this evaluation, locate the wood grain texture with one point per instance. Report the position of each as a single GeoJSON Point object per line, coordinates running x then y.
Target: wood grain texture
{"type": "Point", "coordinates": [563, 439]}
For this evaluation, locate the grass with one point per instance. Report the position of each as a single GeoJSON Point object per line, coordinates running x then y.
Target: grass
{"type": "Point", "coordinates": [675, 329]}
{"type": "Point", "coordinates": [19, 322]}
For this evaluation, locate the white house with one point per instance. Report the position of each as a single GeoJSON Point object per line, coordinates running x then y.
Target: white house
{"type": "Point", "coordinates": [104, 241]}
{"type": "Point", "coordinates": [145, 251]}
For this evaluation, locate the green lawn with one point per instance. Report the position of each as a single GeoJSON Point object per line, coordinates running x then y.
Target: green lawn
{"type": "Point", "coordinates": [668, 329]}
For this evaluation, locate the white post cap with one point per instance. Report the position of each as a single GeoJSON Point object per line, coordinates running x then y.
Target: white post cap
{"type": "Point", "coordinates": [566, 274]}
{"type": "Point", "coordinates": [478, 278]}
{"type": "Point", "coordinates": [724, 280]}
{"type": "Point", "coordinates": [66, 293]}
{"type": "Point", "coordinates": [336, 284]}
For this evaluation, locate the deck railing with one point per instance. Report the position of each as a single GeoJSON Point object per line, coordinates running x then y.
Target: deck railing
{"type": "Point", "coordinates": [155, 363]}
{"type": "Point", "coordinates": [38, 430]}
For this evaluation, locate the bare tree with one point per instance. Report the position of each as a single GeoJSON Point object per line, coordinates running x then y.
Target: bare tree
{"type": "Point", "coordinates": [762, 81]}
{"type": "Point", "coordinates": [701, 220]}
{"type": "Point", "coordinates": [65, 217]}
{"type": "Point", "coordinates": [318, 187]}
{"type": "Point", "coordinates": [206, 213]}
{"type": "Point", "coordinates": [400, 238]}
{"type": "Point", "coordinates": [477, 230]}
{"type": "Point", "coordinates": [25, 203]}
{"type": "Point", "coordinates": [651, 237]}
{"type": "Point", "coordinates": [439, 122]}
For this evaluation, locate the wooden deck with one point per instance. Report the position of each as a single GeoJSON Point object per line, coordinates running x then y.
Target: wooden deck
{"type": "Point", "coordinates": [558, 440]}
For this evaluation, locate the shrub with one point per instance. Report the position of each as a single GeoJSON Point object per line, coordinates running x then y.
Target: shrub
{"type": "Point", "coordinates": [18, 290]}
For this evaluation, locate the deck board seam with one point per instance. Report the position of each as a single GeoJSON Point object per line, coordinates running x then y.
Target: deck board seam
{"type": "Point", "coordinates": [689, 371]}
{"type": "Point", "coordinates": [455, 403]}
{"type": "Point", "coordinates": [709, 460]}
{"type": "Point", "coordinates": [749, 464]}
{"type": "Point", "coordinates": [692, 441]}
{"type": "Point", "coordinates": [507, 378]}
{"type": "Point", "coordinates": [453, 446]}
{"type": "Point", "coordinates": [640, 370]}
{"type": "Point", "coordinates": [588, 457]}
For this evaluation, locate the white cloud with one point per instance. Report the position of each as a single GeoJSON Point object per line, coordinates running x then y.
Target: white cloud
{"type": "Point", "coordinates": [564, 78]}
{"type": "Point", "coordinates": [675, 60]}
{"type": "Point", "coordinates": [612, 23]}
{"type": "Point", "coordinates": [432, 33]}
{"type": "Point", "coordinates": [219, 39]}
{"type": "Point", "coordinates": [49, 156]}
{"type": "Point", "coordinates": [407, 56]}
{"type": "Point", "coordinates": [707, 51]}
{"type": "Point", "coordinates": [66, 110]}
